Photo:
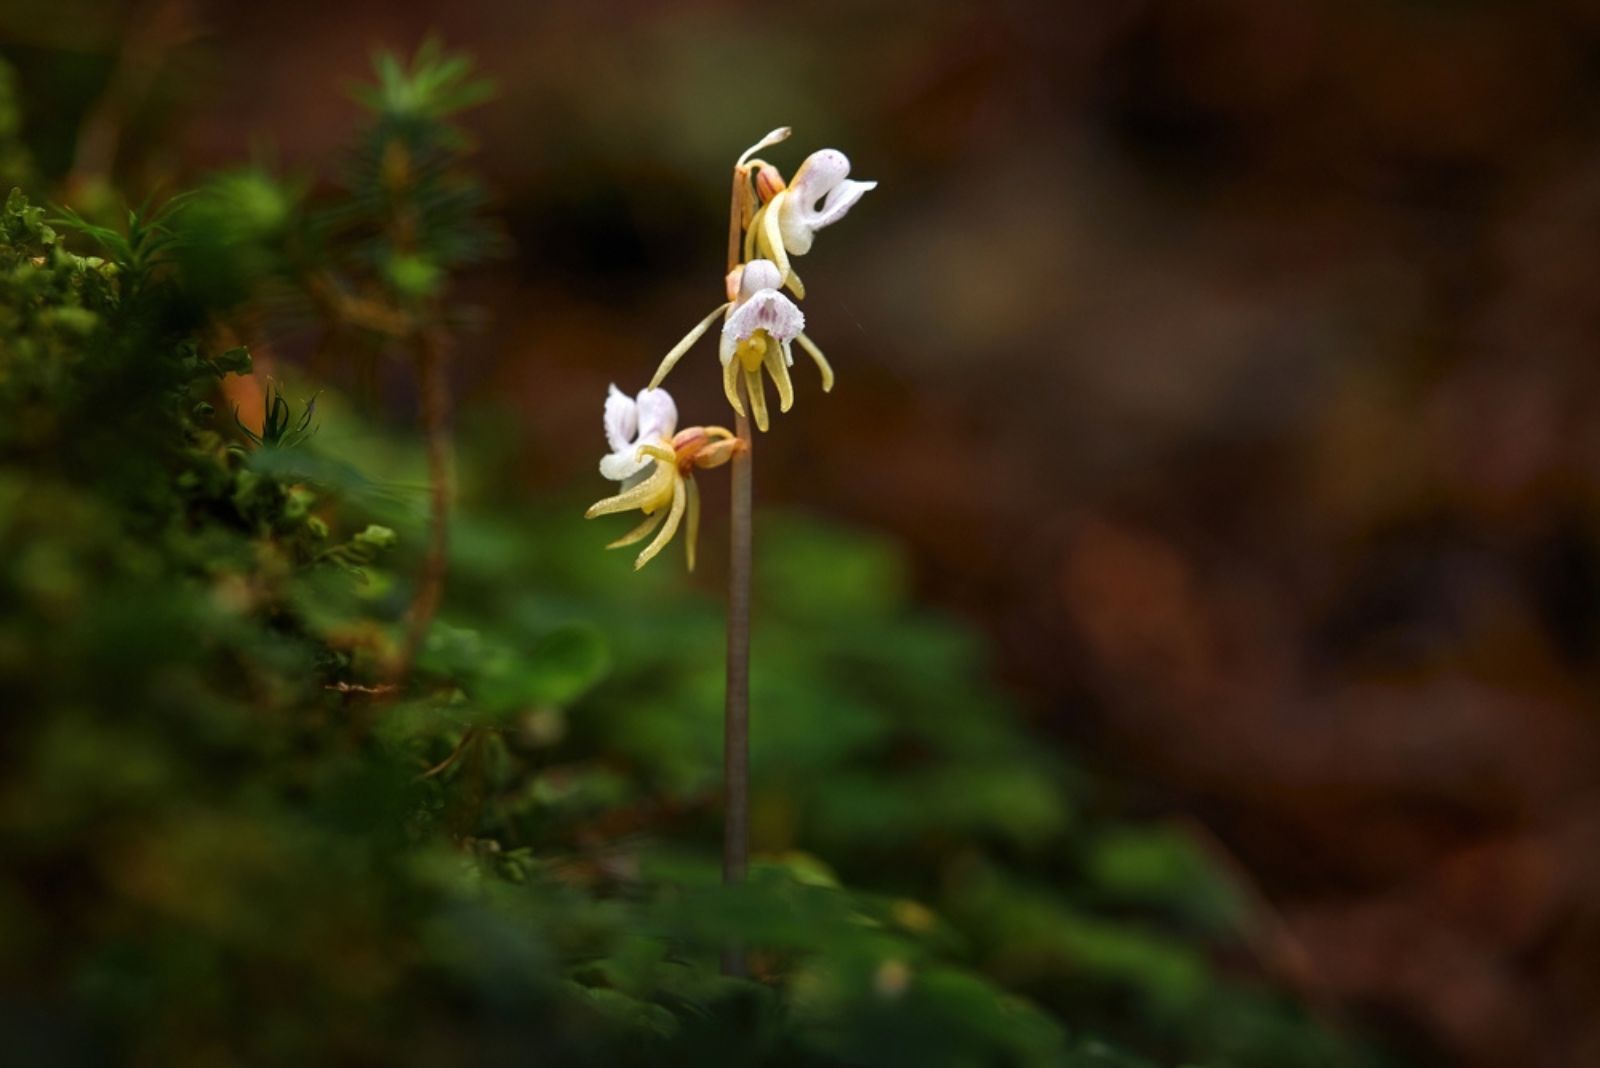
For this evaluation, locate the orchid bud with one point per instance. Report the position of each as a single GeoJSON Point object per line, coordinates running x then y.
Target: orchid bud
{"type": "Point", "coordinates": [769, 182]}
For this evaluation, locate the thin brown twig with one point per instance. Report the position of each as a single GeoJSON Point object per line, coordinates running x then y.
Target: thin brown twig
{"type": "Point", "coordinates": [468, 736]}
{"type": "Point", "coordinates": [434, 381]}
{"type": "Point", "coordinates": [433, 386]}
{"type": "Point", "coordinates": [356, 687]}
{"type": "Point", "coordinates": [340, 306]}
{"type": "Point", "coordinates": [153, 30]}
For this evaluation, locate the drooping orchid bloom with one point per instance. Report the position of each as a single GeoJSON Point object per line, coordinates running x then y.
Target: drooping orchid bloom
{"type": "Point", "coordinates": [820, 195]}
{"type": "Point", "coordinates": [757, 332]}
{"type": "Point", "coordinates": [759, 325]}
{"type": "Point", "coordinates": [654, 461]}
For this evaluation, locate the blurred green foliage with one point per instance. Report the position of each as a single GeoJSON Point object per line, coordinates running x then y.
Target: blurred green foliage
{"type": "Point", "coordinates": [16, 162]}
{"type": "Point", "coordinates": [228, 839]}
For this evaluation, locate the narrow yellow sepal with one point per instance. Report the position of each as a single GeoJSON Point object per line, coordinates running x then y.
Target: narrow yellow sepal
{"type": "Point", "coordinates": [778, 368]}
{"type": "Point", "coordinates": [668, 529]}
{"type": "Point", "coordinates": [640, 532]}
{"type": "Point", "coordinates": [758, 398]}
{"type": "Point", "coordinates": [730, 385]}
{"type": "Point", "coordinates": [692, 534]}
{"type": "Point", "coordinates": [752, 233]}
{"type": "Point", "coordinates": [671, 359]}
{"type": "Point", "coordinates": [647, 495]}
{"type": "Point", "coordinates": [822, 361]}
{"type": "Point", "coordinates": [772, 236]}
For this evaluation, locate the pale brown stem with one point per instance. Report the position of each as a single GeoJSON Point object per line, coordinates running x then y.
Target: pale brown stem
{"type": "Point", "coordinates": [736, 219]}
{"type": "Point", "coordinates": [736, 710]}
{"type": "Point", "coordinates": [736, 707]}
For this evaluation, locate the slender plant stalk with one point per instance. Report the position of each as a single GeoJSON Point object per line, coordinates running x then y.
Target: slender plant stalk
{"type": "Point", "coordinates": [736, 707]}
{"type": "Point", "coordinates": [736, 711]}
{"type": "Point", "coordinates": [434, 380]}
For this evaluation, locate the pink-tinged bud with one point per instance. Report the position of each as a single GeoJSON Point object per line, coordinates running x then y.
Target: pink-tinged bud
{"type": "Point", "coordinates": [769, 183]}
{"type": "Point", "coordinates": [718, 453]}
{"type": "Point", "coordinates": [701, 446]}
{"type": "Point", "coordinates": [732, 280]}
{"type": "Point", "coordinates": [689, 440]}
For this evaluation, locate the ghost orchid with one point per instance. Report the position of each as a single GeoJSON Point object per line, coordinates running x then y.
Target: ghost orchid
{"type": "Point", "coordinates": [757, 332]}
{"type": "Point", "coordinates": [654, 461]}
{"type": "Point", "coordinates": [769, 222]}
{"type": "Point", "coordinates": [759, 325]}
{"type": "Point", "coordinates": [821, 194]}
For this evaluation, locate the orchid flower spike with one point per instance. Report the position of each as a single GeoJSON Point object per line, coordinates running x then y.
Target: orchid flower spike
{"type": "Point", "coordinates": [654, 461]}
{"type": "Point", "coordinates": [820, 195]}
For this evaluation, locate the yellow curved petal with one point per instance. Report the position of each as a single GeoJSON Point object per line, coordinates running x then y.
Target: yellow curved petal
{"type": "Point", "coordinates": [668, 529]}
{"type": "Point", "coordinates": [730, 385]}
{"type": "Point", "coordinates": [671, 359]}
{"type": "Point", "coordinates": [692, 535]}
{"type": "Point", "coordinates": [772, 236]}
{"type": "Point", "coordinates": [758, 398]}
{"type": "Point", "coordinates": [647, 495]}
{"type": "Point", "coordinates": [639, 532]}
{"type": "Point", "coordinates": [752, 233]}
{"type": "Point", "coordinates": [778, 369]}
{"type": "Point", "coordinates": [822, 361]}
{"type": "Point", "coordinates": [657, 452]}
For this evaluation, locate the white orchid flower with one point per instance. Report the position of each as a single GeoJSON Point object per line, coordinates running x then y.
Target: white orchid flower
{"type": "Point", "coordinates": [759, 327]}
{"type": "Point", "coordinates": [820, 195]}
{"type": "Point", "coordinates": [759, 324]}
{"type": "Point", "coordinates": [654, 462]}
{"type": "Point", "coordinates": [649, 419]}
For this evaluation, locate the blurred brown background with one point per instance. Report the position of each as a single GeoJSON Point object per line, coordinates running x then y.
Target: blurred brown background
{"type": "Point", "coordinates": [1233, 362]}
